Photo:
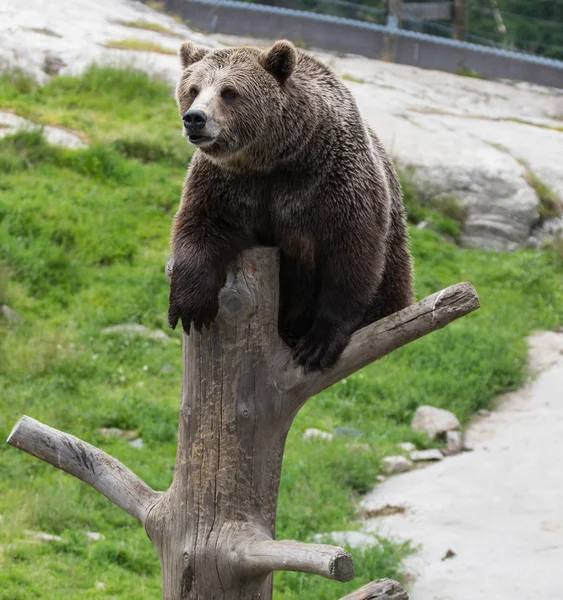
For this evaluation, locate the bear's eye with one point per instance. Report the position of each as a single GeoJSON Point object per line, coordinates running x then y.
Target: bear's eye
{"type": "Point", "coordinates": [193, 92]}
{"type": "Point", "coordinates": [228, 93]}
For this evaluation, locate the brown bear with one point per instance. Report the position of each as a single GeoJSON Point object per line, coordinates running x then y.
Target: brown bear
{"type": "Point", "coordinates": [285, 159]}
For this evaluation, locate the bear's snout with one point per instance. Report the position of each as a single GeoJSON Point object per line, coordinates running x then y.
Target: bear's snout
{"type": "Point", "coordinates": [194, 120]}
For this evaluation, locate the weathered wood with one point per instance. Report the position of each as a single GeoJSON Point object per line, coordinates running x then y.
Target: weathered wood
{"type": "Point", "coordinates": [383, 589]}
{"type": "Point", "coordinates": [320, 559]}
{"type": "Point", "coordinates": [461, 20]}
{"type": "Point", "coordinates": [90, 464]}
{"type": "Point", "coordinates": [214, 529]}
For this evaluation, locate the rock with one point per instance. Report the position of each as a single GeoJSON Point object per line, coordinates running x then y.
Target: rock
{"type": "Point", "coordinates": [359, 448]}
{"type": "Point", "coordinates": [57, 136]}
{"type": "Point", "coordinates": [486, 175]}
{"type": "Point", "coordinates": [347, 432]}
{"type": "Point", "coordinates": [550, 230]}
{"type": "Point", "coordinates": [11, 315]}
{"type": "Point", "coordinates": [126, 434]}
{"type": "Point", "coordinates": [407, 446]}
{"type": "Point", "coordinates": [53, 64]}
{"type": "Point", "coordinates": [435, 422]}
{"type": "Point", "coordinates": [454, 442]}
{"type": "Point", "coordinates": [396, 464]}
{"type": "Point", "coordinates": [483, 412]}
{"type": "Point", "coordinates": [44, 537]}
{"type": "Point", "coordinates": [135, 329]}
{"type": "Point", "coordinates": [95, 536]}
{"type": "Point", "coordinates": [137, 443]}
{"type": "Point", "coordinates": [426, 455]}
{"type": "Point", "coordinates": [353, 539]}
{"type": "Point", "coordinates": [313, 434]}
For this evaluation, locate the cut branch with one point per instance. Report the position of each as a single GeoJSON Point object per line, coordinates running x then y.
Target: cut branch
{"type": "Point", "coordinates": [383, 589]}
{"type": "Point", "coordinates": [319, 559]}
{"type": "Point", "coordinates": [88, 463]}
{"type": "Point", "coordinates": [385, 336]}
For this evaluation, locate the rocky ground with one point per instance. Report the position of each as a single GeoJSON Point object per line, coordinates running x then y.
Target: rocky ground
{"type": "Point", "coordinates": [487, 143]}
{"type": "Point", "coordinates": [489, 522]}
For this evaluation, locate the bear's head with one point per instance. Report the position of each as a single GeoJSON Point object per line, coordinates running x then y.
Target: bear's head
{"type": "Point", "coordinates": [231, 100]}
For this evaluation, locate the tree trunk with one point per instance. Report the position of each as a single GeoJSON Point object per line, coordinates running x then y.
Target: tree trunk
{"type": "Point", "coordinates": [214, 529]}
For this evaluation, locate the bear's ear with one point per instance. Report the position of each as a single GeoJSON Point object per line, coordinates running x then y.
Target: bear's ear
{"type": "Point", "coordinates": [280, 60]}
{"type": "Point", "coordinates": [190, 53]}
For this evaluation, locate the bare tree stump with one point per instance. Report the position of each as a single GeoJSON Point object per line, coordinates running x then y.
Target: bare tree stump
{"type": "Point", "coordinates": [214, 529]}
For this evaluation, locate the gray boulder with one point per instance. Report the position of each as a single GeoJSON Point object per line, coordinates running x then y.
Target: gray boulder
{"type": "Point", "coordinates": [435, 422]}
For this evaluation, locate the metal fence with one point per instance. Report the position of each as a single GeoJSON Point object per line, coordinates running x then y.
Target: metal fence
{"type": "Point", "coordinates": [370, 39]}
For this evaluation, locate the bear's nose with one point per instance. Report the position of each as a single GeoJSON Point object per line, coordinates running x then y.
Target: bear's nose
{"type": "Point", "coordinates": [194, 120]}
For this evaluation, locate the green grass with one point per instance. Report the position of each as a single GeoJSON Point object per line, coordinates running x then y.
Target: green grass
{"type": "Point", "coordinates": [148, 26]}
{"type": "Point", "coordinates": [84, 237]}
{"type": "Point", "coordinates": [551, 206]}
{"type": "Point", "coordinates": [139, 46]}
{"type": "Point", "coordinates": [442, 214]}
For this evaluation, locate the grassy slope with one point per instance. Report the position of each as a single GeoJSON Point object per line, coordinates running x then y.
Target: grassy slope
{"type": "Point", "coordinates": [83, 243]}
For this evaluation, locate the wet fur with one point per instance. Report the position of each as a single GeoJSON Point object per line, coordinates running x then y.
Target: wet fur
{"type": "Point", "coordinates": [296, 167]}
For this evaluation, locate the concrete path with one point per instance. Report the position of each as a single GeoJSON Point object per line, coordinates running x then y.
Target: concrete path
{"type": "Point", "coordinates": [498, 508]}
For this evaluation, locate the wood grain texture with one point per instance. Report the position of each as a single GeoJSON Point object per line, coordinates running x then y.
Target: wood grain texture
{"type": "Point", "coordinates": [214, 529]}
{"type": "Point", "coordinates": [320, 559]}
{"type": "Point", "coordinates": [383, 589]}
{"type": "Point", "coordinates": [90, 464]}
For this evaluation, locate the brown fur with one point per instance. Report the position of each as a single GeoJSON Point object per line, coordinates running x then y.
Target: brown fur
{"type": "Point", "coordinates": [295, 166]}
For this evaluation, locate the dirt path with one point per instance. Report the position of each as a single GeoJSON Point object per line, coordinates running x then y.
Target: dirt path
{"type": "Point", "coordinates": [498, 508]}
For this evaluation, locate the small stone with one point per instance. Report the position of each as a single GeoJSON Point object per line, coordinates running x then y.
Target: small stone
{"type": "Point", "coordinates": [95, 536]}
{"type": "Point", "coordinates": [137, 443]}
{"type": "Point", "coordinates": [426, 455]}
{"type": "Point", "coordinates": [126, 434]}
{"type": "Point", "coordinates": [483, 412]}
{"type": "Point", "coordinates": [53, 64]}
{"type": "Point", "coordinates": [468, 445]}
{"type": "Point", "coordinates": [11, 315]}
{"type": "Point", "coordinates": [353, 539]}
{"type": "Point", "coordinates": [396, 464]}
{"type": "Point", "coordinates": [313, 434]}
{"type": "Point", "coordinates": [358, 448]}
{"type": "Point", "coordinates": [45, 537]}
{"type": "Point", "coordinates": [454, 442]}
{"type": "Point", "coordinates": [138, 330]}
{"type": "Point", "coordinates": [381, 478]}
{"type": "Point", "coordinates": [347, 432]}
{"type": "Point", "coordinates": [407, 446]}
{"type": "Point", "coordinates": [435, 422]}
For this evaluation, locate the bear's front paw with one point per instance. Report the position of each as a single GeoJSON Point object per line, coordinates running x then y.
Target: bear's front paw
{"type": "Point", "coordinates": [321, 347]}
{"type": "Point", "coordinates": [197, 304]}
{"type": "Point", "coordinates": [193, 312]}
